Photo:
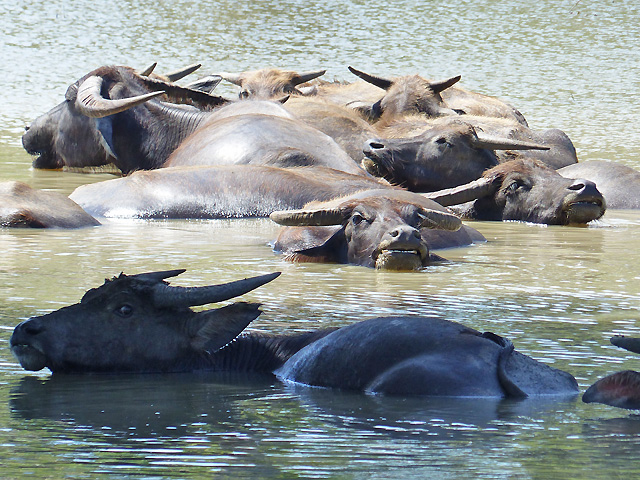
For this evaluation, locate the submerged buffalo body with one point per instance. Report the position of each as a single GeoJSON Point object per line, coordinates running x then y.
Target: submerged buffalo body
{"type": "Point", "coordinates": [619, 184]}
{"type": "Point", "coordinates": [139, 323]}
{"type": "Point", "coordinates": [525, 190]}
{"type": "Point", "coordinates": [384, 229]}
{"type": "Point", "coordinates": [23, 206]}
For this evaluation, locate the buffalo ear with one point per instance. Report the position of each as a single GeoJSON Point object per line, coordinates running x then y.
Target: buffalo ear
{"type": "Point", "coordinates": [332, 250]}
{"type": "Point", "coordinates": [219, 327]}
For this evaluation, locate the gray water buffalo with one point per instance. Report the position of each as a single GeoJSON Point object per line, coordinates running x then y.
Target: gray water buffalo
{"type": "Point", "coordinates": [228, 191]}
{"type": "Point", "coordinates": [383, 229]}
{"type": "Point", "coordinates": [526, 190]}
{"type": "Point", "coordinates": [269, 83]}
{"type": "Point", "coordinates": [23, 206]}
{"type": "Point", "coordinates": [441, 157]}
{"type": "Point", "coordinates": [619, 184]}
{"type": "Point", "coordinates": [560, 152]}
{"type": "Point", "coordinates": [139, 323]}
{"type": "Point", "coordinates": [108, 116]}
{"type": "Point", "coordinates": [621, 389]}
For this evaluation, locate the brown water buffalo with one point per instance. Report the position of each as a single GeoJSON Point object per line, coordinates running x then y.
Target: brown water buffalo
{"type": "Point", "coordinates": [138, 323]}
{"type": "Point", "coordinates": [23, 206]}
{"type": "Point", "coordinates": [621, 389]}
{"type": "Point", "coordinates": [108, 116]}
{"type": "Point", "coordinates": [229, 191]}
{"type": "Point", "coordinates": [526, 190]}
{"type": "Point", "coordinates": [269, 83]}
{"type": "Point", "coordinates": [443, 156]}
{"type": "Point", "coordinates": [560, 152]}
{"type": "Point", "coordinates": [619, 184]}
{"type": "Point", "coordinates": [408, 95]}
{"type": "Point", "coordinates": [383, 229]}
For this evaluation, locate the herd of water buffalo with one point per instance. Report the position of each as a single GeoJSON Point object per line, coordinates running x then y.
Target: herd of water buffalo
{"type": "Point", "coordinates": [376, 172]}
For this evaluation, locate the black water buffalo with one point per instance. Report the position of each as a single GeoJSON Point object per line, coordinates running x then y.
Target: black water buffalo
{"type": "Point", "coordinates": [108, 116]}
{"type": "Point", "coordinates": [228, 191]}
{"type": "Point", "coordinates": [138, 323]}
{"type": "Point", "coordinates": [269, 83]}
{"type": "Point", "coordinates": [384, 229]}
{"type": "Point", "coordinates": [619, 184]}
{"type": "Point", "coordinates": [526, 190]}
{"type": "Point", "coordinates": [621, 389]}
{"type": "Point", "coordinates": [23, 206]}
{"type": "Point", "coordinates": [441, 157]}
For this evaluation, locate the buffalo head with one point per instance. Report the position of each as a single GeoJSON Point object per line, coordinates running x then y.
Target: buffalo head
{"type": "Point", "coordinates": [441, 157]}
{"type": "Point", "coordinates": [76, 133]}
{"type": "Point", "coordinates": [269, 83]}
{"type": "Point", "coordinates": [526, 190]}
{"type": "Point", "coordinates": [136, 323]}
{"type": "Point", "coordinates": [375, 228]}
{"type": "Point", "coordinates": [407, 95]}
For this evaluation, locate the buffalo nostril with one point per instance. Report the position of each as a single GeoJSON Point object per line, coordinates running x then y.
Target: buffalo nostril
{"type": "Point", "coordinates": [26, 128]}
{"type": "Point", "coordinates": [576, 186]}
{"type": "Point", "coordinates": [32, 329]}
{"type": "Point", "coordinates": [376, 145]}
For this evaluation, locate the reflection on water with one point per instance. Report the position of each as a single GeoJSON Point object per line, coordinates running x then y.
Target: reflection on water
{"type": "Point", "coordinates": [557, 292]}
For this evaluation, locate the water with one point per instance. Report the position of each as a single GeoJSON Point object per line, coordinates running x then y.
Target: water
{"type": "Point", "coordinates": [559, 293]}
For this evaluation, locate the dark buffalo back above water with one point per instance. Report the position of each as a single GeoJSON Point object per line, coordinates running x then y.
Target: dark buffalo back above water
{"type": "Point", "coordinates": [423, 356]}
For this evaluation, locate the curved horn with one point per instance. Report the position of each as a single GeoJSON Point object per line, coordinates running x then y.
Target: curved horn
{"type": "Point", "coordinates": [92, 104]}
{"type": "Point", "coordinates": [377, 81]}
{"type": "Point", "coordinates": [308, 76]}
{"type": "Point", "coordinates": [463, 193]}
{"type": "Point", "coordinates": [149, 70]}
{"type": "Point", "coordinates": [496, 143]}
{"type": "Point", "coordinates": [440, 220]}
{"type": "Point", "coordinates": [206, 84]}
{"type": "Point", "coordinates": [167, 296]}
{"type": "Point", "coordinates": [444, 84]}
{"type": "Point", "coordinates": [628, 343]}
{"type": "Point", "coordinates": [308, 218]}
{"type": "Point", "coordinates": [235, 78]}
{"type": "Point", "coordinates": [183, 72]}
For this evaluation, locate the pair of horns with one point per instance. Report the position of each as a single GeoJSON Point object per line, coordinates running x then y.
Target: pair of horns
{"type": "Point", "coordinates": [385, 84]}
{"type": "Point", "coordinates": [325, 217]}
{"type": "Point", "coordinates": [298, 79]}
{"type": "Point", "coordinates": [167, 296]}
{"type": "Point", "coordinates": [172, 76]}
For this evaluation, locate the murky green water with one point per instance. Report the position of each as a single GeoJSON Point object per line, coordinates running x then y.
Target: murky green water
{"type": "Point", "coordinates": [558, 293]}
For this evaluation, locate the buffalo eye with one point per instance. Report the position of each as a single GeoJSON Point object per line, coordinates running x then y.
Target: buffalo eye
{"type": "Point", "coordinates": [514, 186]}
{"type": "Point", "coordinates": [124, 311]}
{"type": "Point", "coordinates": [244, 94]}
{"type": "Point", "coordinates": [442, 141]}
{"type": "Point", "coordinates": [357, 219]}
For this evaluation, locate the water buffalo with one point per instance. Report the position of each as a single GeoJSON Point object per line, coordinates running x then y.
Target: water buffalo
{"type": "Point", "coordinates": [23, 206]}
{"type": "Point", "coordinates": [108, 117]}
{"type": "Point", "coordinates": [560, 152]}
{"type": "Point", "coordinates": [415, 94]}
{"type": "Point", "coordinates": [407, 95]}
{"type": "Point", "coordinates": [619, 184]}
{"type": "Point", "coordinates": [228, 191]}
{"type": "Point", "coordinates": [621, 389]}
{"type": "Point", "coordinates": [269, 83]}
{"type": "Point", "coordinates": [441, 157]}
{"type": "Point", "coordinates": [526, 190]}
{"type": "Point", "coordinates": [138, 323]}
{"type": "Point", "coordinates": [384, 229]}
